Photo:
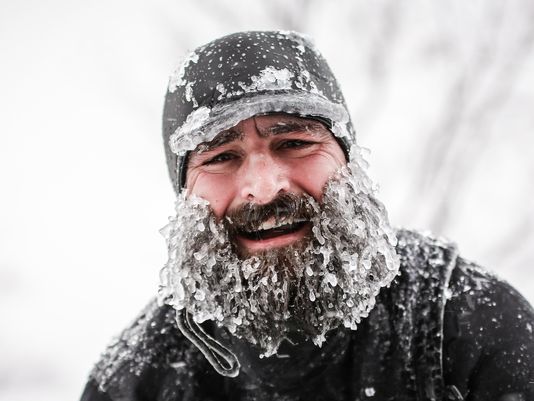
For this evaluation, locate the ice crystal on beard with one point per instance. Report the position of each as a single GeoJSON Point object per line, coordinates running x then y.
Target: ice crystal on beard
{"type": "Point", "coordinates": [330, 280]}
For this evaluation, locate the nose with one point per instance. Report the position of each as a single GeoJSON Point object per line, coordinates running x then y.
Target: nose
{"type": "Point", "coordinates": [263, 178]}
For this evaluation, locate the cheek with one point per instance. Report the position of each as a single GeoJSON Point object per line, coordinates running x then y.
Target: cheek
{"type": "Point", "coordinates": [313, 174]}
{"type": "Point", "coordinates": [218, 190]}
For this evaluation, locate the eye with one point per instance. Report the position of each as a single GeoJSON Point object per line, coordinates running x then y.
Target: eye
{"type": "Point", "coordinates": [220, 158]}
{"type": "Point", "coordinates": [294, 144]}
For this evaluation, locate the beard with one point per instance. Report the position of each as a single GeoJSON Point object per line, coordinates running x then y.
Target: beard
{"type": "Point", "coordinates": [329, 278]}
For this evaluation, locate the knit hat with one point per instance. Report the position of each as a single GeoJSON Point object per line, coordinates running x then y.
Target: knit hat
{"type": "Point", "coordinates": [242, 75]}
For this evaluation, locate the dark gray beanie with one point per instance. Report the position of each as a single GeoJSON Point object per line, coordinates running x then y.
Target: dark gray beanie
{"type": "Point", "coordinates": [242, 75]}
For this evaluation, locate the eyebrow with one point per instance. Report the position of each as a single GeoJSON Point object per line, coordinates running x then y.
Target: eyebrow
{"type": "Point", "coordinates": [221, 139]}
{"type": "Point", "coordinates": [284, 127]}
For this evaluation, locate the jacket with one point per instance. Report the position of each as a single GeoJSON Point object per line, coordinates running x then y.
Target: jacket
{"type": "Point", "coordinates": [445, 329]}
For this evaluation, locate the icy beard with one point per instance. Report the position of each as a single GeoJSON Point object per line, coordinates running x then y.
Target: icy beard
{"type": "Point", "coordinates": [328, 279]}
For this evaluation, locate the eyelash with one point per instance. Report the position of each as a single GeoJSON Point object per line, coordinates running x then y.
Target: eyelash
{"type": "Point", "coordinates": [294, 143]}
{"type": "Point", "coordinates": [287, 144]}
{"type": "Point", "coordinates": [217, 159]}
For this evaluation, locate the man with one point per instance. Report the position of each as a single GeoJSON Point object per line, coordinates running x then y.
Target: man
{"type": "Point", "coordinates": [280, 250]}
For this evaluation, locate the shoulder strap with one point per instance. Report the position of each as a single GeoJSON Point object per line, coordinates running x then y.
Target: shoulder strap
{"type": "Point", "coordinates": [401, 346]}
{"type": "Point", "coordinates": [429, 262]}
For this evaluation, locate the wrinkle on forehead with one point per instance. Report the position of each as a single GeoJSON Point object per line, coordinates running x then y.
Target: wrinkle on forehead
{"type": "Point", "coordinates": [273, 126]}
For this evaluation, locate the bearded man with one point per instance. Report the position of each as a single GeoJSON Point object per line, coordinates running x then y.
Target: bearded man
{"type": "Point", "coordinates": [285, 280]}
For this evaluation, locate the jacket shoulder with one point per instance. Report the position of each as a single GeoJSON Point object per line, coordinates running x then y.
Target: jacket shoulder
{"type": "Point", "coordinates": [415, 247]}
{"type": "Point", "coordinates": [488, 336]}
{"type": "Point", "coordinates": [138, 362]}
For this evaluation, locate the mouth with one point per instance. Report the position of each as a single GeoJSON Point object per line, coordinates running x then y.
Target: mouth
{"type": "Point", "coordinates": [272, 234]}
{"type": "Point", "coordinates": [271, 229]}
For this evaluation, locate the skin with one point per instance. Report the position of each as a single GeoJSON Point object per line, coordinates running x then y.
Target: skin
{"type": "Point", "coordinates": [259, 158]}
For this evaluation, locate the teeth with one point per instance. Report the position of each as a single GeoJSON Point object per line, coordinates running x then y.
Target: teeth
{"type": "Point", "coordinates": [271, 223]}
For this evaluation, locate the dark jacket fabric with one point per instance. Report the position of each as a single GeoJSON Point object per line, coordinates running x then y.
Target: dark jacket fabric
{"type": "Point", "coordinates": [445, 329]}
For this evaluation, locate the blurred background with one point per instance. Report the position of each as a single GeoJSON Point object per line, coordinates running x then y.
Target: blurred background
{"type": "Point", "coordinates": [441, 92]}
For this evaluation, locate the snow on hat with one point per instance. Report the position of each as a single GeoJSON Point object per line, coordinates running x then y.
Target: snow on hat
{"type": "Point", "coordinates": [242, 75]}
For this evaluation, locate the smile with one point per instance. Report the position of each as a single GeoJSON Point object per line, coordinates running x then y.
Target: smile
{"type": "Point", "coordinates": [273, 234]}
{"type": "Point", "coordinates": [271, 229]}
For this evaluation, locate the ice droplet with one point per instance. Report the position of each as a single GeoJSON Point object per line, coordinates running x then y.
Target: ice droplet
{"type": "Point", "coordinates": [177, 77]}
{"type": "Point", "coordinates": [331, 279]}
{"type": "Point", "coordinates": [269, 78]}
{"type": "Point", "coordinates": [319, 340]}
{"type": "Point", "coordinates": [189, 93]}
{"type": "Point", "coordinates": [318, 235]}
{"type": "Point", "coordinates": [200, 295]}
{"type": "Point", "coordinates": [326, 252]}
{"type": "Point", "coordinates": [178, 365]}
{"type": "Point", "coordinates": [180, 293]}
{"type": "Point", "coordinates": [369, 391]}
{"type": "Point", "coordinates": [366, 264]}
{"type": "Point", "coordinates": [211, 262]}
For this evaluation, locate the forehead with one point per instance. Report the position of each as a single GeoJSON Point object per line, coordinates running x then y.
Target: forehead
{"type": "Point", "coordinates": [280, 118]}
{"type": "Point", "coordinates": [267, 125]}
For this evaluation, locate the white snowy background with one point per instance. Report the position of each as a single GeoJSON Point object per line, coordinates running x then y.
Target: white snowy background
{"type": "Point", "coordinates": [442, 92]}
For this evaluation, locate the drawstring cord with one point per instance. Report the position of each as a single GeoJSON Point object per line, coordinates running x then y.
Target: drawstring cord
{"type": "Point", "coordinates": [221, 358]}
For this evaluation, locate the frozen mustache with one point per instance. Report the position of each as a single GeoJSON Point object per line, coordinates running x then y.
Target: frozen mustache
{"type": "Point", "coordinates": [249, 217]}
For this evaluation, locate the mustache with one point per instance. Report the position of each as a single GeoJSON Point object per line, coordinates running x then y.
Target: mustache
{"type": "Point", "coordinates": [250, 216]}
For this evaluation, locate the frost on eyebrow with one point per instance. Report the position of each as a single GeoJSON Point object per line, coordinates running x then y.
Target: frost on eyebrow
{"type": "Point", "coordinates": [311, 127]}
{"type": "Point", "coordinates": [221, 139]}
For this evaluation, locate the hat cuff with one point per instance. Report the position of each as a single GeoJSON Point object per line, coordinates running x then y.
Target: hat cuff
{"type": "Point", "coordinates": [203, 124]}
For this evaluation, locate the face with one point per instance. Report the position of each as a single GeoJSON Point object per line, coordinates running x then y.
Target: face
{"type": "Point", "coordinates": [277, 235]}
{"type": "Point", "coordinates": [260, 159]}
